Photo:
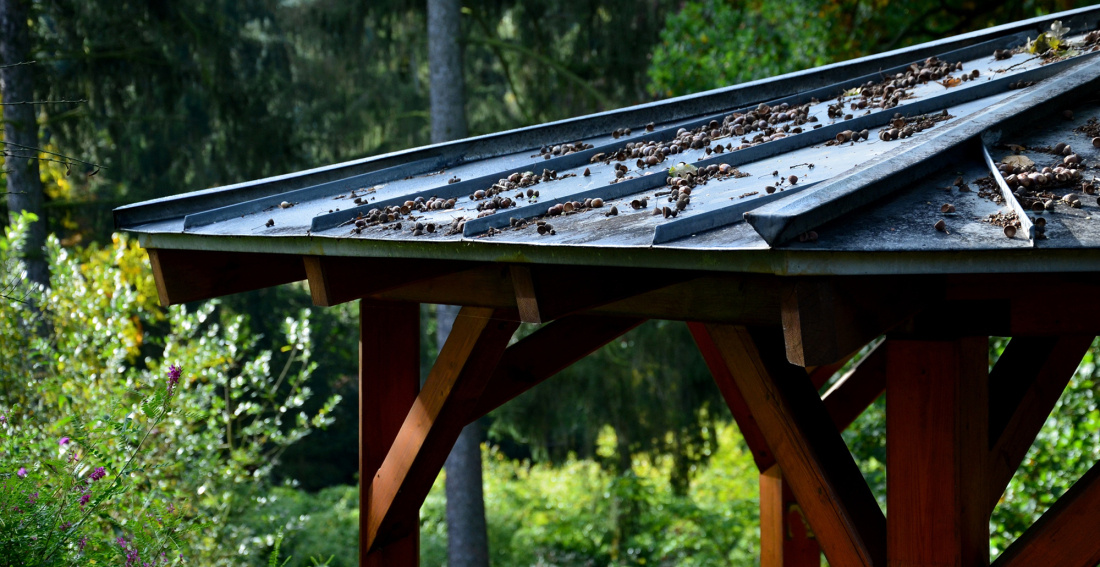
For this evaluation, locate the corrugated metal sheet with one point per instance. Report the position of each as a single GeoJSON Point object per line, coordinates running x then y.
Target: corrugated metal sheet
{"type": "Point", "coordinates": [786, 154]}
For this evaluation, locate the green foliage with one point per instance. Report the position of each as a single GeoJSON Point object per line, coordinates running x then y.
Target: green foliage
{"type": "Point", "coordinates": [52, 493]}
{"type": "Point", "coordinates": [711, 44]}
{"type": "Point", "coordinates": [566, 514]}
{"type": "Point", "coordinates": [82, 347]}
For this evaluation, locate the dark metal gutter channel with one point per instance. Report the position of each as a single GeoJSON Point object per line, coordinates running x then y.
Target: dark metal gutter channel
{"type": "Point", "coordinates": [784, 220]}
{"type": "Point", "coordinates": [331, 220]}
{"type": "Point", "coordinates": [583, 127]}
{"type": "Point", "coordinates": [710, 219]}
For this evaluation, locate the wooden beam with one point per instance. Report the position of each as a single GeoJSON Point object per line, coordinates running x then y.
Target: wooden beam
{"type": "Point", "coordinates": [389, 379]}
{"type": "Point", "coordinates": [463, 368]}
{"type": "Point", "coordinates": [744, 299]}
{"type": "Point", "coordinates": [825, 319]}
{"type": "Point", "coordinates": [857, 389]}
{"type": "Point", "coordinates": [526, 299]}
{"type": "Point", "coordinates": [1066, 535]}
{"type": "Point", "coordinates": [544, 353]}
{"type": "Point", "coordinates": [937, 431]}
{"type": "Point", "coordinates": [182, 276]}
{"type": "Point", "coordinates": [336, 280]}
{"type": "Point", "coordinates": [742, 413]}
{"type": "Point", "coordinates": [1026, 382]}
{"type": "Point", "coordinates": [786, 539]}
{"type": "Point", "coordinates": [815, 461]}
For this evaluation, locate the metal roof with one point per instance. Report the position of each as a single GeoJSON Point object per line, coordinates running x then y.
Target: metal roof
{"type": "Point", "coordinates": [805, 158]}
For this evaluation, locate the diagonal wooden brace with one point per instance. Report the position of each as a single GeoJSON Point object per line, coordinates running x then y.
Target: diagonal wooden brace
{"type": "Point", "coordinates": [794, 422]}
{"type": "Point", "coordinates": [465, 365]}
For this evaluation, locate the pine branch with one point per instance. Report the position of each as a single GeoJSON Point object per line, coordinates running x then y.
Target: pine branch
{"type": "Point", "coordinates": [77, 101]}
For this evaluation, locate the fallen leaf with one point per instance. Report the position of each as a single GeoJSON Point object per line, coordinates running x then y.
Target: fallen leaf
{"type": "Point", "coordinates": [1018, 161]}
{"type": "Point", "coordinates": [951, 82]}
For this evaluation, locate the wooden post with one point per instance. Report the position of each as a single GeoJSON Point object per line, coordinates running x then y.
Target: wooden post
{"type": "Point", "coordinates": [389, 381]}
{"type": "Point", "coordinates": [786, 539]}
{"type": "Point", "coordinates": [937, 425]}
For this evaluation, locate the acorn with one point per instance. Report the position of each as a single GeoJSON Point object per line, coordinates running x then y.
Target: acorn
{"type": "Point", "coordinates": [649, 127]}
{"type": "Point", "coordinates": [360, 223]}
{"type": "Point", "coordinates": [567, 207]}
{"type": "Point", "coordinates": [597, 203]}
{"type": "Point", "coordinates": [1071, 159]}
{"type": "Point", "coordinates": [614, 211]}
{"type": "Point", "coordinates": [543, 228]}
{"type": "Point", "coordinates": [940, 225]}
{"type": "Point", "coordinates": [666, 211]}
{"type": "Point", "coordinates": [770, 189]}
{"type": "Point", "coordinates": [792, 179]}
{"type": "Point", "coordinates": [1039, 222]}
{"type": "Point", "coordinates": [1096, 142]}
{"type": "Point", "coordinates": [479, 194]}
{"type": "Point", "coordinates": [587, 172]}
{"type": "Point", "coordinates": [270, 223]}
{"type": "Point", "coordinates": [844, 136]}
{"type": "Point", "coordinates": [683, 202]}
{"type": "Point", "coordinates": [1010, 231]}
{"type": "Point", "coordinates": [285, 205]}
{"type": "Point", "coordinates": [430, 227]}
{"type": "Point", "coordinates": [947, 208]}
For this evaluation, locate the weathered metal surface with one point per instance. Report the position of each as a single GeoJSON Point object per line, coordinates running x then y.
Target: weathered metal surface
{"type": "Point", "coordinates": [1027, 226]}
{"type": "Point", "coordinates": [863, 199]}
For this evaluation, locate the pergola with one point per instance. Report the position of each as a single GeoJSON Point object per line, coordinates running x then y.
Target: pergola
{"type": "Point", "coordinates": [923, 195]}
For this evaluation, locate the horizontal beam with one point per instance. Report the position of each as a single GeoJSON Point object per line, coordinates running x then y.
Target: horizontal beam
{"type": "Point", "coordinates": [335, 280]}
{"type": "Point", "coordinates": [182, 276]}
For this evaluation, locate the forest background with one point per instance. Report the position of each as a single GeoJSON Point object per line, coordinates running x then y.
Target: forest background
{"type": "Point", "coordinates": [630, 459]}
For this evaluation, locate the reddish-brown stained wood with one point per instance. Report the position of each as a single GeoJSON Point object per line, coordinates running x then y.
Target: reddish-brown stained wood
{"type": "Point", "coordinates": [544, 353]}
{"type": "Point", "coordinates": [389, 379]}
{"type": "Point", "coordinates": [816, 463]}
{"type": "Point", "coordinates": [187, 275]}
{"type": "Point", "coordinates": [819, 375]}
{"type": "Point", "coordinates": [826, 319]}
{"type": "Point", "coordinates": [1066, 535]}
{"type": "Point", "coordinates": [463, 368]}
{"type": "Point", "coordinates": [742, 414]}
{"type": "Point", "coordinates": [483, 286]}
{"type": "Point", "coordinates": [1024, 385]}
{"type": "Point", "coordinates": [334, 280]}
{"type": "Point", "coordinates": [786, 539]}
{"type": "Point", "coordinates": [858, 389]}
{"type": "Point", "coordinates": [937, 431]}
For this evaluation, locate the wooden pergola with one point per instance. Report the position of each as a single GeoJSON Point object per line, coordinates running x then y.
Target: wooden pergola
{"type": "Point", "coordinates": [774, 310]}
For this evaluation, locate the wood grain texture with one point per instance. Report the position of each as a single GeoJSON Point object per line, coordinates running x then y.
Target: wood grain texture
{"type": "Point", "coordinates": [1024, 384]}
{"type": "Point", "coordinates": [526, 300]}
{"type": "Point", "coordinates": [334, 280]}
{"type": "Point", "coordinates": [822, 475]}
{"type": "Point", "coordinates": [549, 350]}
{"type": "Point", "coordinates": [1066, 535]}
{"type": "Point", "coordinates": [937, 431]}
{"type": "Point", "coordinates": [456, 381]}
{"type": "Point", "coordinates": [182, 276]}
{"type": "Point", "coordinates": [785, 537]}
{"type": "Point", "coordinates": [389, 380]}
{"type": "Point", "coordinates": [742, 414]}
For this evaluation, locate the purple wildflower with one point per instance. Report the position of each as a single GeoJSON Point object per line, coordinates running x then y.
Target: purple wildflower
{"type": "Point", "coordinates": [174, 373]}
{"type": "Point", "coordinates": [98, 474]}
{"type": "Point", "coordinates": [22, 472]}
{"type": "Point", "coordinates": [84, 498]}
{"type": "Point", "coordinates": [63, 441]}
{"type": "Point", "coordinates": [83, 542]}
{"type": "Point", "coordinates": [3, 418]}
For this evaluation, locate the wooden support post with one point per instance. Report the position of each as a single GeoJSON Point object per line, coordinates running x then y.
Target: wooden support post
{"type": "Point", "coordinates": [389, 379]}
{"type": "Point", "coordinates": [822, 475]}
{"type": "Point", "coordinates": [1024, 385]}
{"type": "Point", "coordinates": [1066, 535]}
{"type": "Point", "coordinates": [937, 442]}
{"type": "Point", "coordinates": [786, 539]}
{"type": "Point", "coordinates": [429, 431]}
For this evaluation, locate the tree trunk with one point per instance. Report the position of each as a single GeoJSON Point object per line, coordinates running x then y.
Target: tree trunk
{"type": "Point", "coordinates": [467, 539]}
{"type": "Point", "coordinates": [445, 62]}
{"type": "Point", "coordinates": [21, 131]}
